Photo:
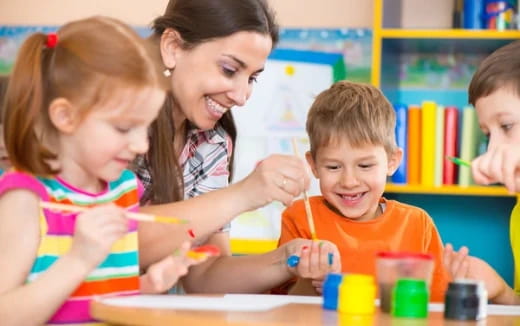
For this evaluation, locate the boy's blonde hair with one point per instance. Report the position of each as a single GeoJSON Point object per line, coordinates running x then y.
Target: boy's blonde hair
{"type": "Point", "coordinates": [358, 113]}
{"type": "Point", "coordinates": [500, 69]}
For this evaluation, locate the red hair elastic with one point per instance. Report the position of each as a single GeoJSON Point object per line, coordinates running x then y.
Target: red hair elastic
{"type": "Point", "coordinates": [52, 40]}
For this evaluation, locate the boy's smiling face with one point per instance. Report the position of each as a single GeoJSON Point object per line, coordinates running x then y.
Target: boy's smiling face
{"type": "Point", "coordinates": [499, 116]}
{"type": "Point", "coordinates": [352, 179]}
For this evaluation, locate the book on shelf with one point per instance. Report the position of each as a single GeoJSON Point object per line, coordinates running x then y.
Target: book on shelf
{"type": "Point", "coordinates": [429, 109]}
{"type": "Point", "coordinates": [428, 134]}
{"type": "Point", "coordinates": [414, 145]}
{"type": "Point", "coordinates": [451, 136]}
{"type": "Point", "coordinates": [401, 111]}
{"type": "Point", "coordinates": [439, 145]}
{"type": "Point", "coordinates": [468, 143]}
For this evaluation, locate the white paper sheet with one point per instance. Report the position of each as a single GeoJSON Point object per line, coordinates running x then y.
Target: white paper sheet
{"type": "Point", "coordinates": [282, 299]}
{"type": "Point", "coordinates": [250, 302]}
{"type": "Point", "coordinates": [229, 302]}
{"type": "Point", "coordinates": [492, 309]}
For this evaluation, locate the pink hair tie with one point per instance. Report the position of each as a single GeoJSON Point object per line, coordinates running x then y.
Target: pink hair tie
{"type": "Point", "coordinates": [52, 40]}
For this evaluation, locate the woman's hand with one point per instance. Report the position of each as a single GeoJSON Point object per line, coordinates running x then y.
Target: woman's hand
{"type": "Point", "coordinates": [278, 177]}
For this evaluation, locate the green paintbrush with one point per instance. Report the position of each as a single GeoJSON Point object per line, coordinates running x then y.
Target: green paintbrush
{"type": "Point", "coordinates": [459, 161]}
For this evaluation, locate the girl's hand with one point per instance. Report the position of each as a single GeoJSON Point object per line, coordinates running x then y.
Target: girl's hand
{"type": "Point", "coordinates": [500, 164]}
{"type": "Point", "coordinates": [461, 265]}
{"type": "Point", "coordinates": [163, 275]}
{"type": "Point", "coordinates": [96, 231]}
{"type": "Point", "coordinates": [317, 259]}
{"type": "Point", "coordinates": [278, 177]}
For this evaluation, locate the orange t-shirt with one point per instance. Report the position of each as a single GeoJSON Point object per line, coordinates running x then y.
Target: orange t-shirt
{"type": "Point", "coordinates": [401, 227]}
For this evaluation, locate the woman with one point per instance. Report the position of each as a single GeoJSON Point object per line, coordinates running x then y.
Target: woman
{"type": "Point", "coordinates": [213, 52]}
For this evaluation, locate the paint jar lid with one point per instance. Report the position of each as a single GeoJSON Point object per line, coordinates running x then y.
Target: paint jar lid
{"type": "Point", "coordinates": [357, 280]}
{"type": "Point", "coordinates": [410, 298]}
{"type": "Point", "coordinates": [465, 285]}
{"type": "Point", "coordinates": [333, 278]}
{"type": "Point", "coordinates": [403, 255]}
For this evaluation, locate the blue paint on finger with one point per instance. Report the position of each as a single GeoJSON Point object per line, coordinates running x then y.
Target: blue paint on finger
{"type": "Point", "coordinates": [331, 258]}
{"type": "Point", "coordinates": [293, 261]}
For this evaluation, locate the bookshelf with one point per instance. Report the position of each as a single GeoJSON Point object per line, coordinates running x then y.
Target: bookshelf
{"type": "Point", "coordinates": [449, 190]}
{"type": "Point", "coordinates": [388, 33]}
{"type": "Point", "coordinates": [475, 216]}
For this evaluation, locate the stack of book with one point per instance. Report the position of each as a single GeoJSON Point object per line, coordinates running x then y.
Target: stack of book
{"type": "Point", "coordinates": [428, 134]}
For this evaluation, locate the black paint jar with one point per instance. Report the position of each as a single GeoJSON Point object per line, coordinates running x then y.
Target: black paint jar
{"type": "Point", "coordinates": [465, 300]}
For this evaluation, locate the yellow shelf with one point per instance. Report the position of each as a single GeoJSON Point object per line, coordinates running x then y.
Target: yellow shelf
{"type": "Point", "coordinates": [450, 190]}
{"type": "Point", "coordinates": [252, 246]}
{"type": "Point", "coordinates": [448, 34]}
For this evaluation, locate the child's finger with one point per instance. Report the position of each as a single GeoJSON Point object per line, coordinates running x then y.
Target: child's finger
{"type": "Point", "coordinates": [315, 260]}
{"type": "Point", "coordinates": [509, 170]}
{"type": "Point", "coordinates": [458, 262]}
{"type": "Point", "coordinates": [478, 175]}
{"type": "Point", "coordinates": [464, 268]}
{"type": "Point", "coordinates": [317, 284]}
{"type": "Point", "coordinates": [447, 256]}
{"type": "Point", "coordinates": [324, 265]}
{"type": "Point", "coordinates": [303, 268]}
{"type": "Point", "coordinates": [329, 258]}
{"type": "Point", "coordinates": [480, 169]}
{"type": "Point", "coordinates": [336, 262]}
{"type": "Point", "coordinates": [517, 183]}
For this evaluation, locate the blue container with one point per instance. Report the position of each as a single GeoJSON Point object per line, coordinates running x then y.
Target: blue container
{"type": "Point", "coordinates": [330, 291]}
{"type": "Point", "coordinates": [473, 15]}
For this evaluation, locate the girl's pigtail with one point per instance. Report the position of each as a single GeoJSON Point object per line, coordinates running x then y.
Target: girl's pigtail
{"type": "Point", "coordinates": [26, 104]}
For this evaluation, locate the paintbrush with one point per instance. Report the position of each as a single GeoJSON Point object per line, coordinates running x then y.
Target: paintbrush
{"type": "Point", "coordinates": [459, 161]}
{"type": "Point", "coordinates": [308, 211]}
{"type": "Point", "coordinates": [130, 215]}
{"type": "Point", "coordinates": [202, 252]}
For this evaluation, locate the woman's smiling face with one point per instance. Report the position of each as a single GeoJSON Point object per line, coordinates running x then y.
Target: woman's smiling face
{"type": "Point", "coordinates": [212, 77]}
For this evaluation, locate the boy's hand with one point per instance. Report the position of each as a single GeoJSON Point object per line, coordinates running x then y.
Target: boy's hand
{"type": "Point", "coordinates": [317, 259]}
{"type": "Point", "coordinates": [163, 275]}
{"type": "Point", "coordinates": [96, 231]}
{"type": "Point", "coordinates": [461, 265]}
{"type": "Point", "coordinates": [500, 164]}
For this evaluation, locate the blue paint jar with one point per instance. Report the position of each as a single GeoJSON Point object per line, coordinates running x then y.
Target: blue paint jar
{"type": "Point", "coordinates": [330, 291]}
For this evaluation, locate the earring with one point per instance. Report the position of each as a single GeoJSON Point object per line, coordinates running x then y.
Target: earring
{"type": "Point", "coordinates": [167, 72]}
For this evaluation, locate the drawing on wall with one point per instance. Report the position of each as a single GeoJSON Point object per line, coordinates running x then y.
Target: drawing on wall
{"type": "Point", "coordinates": [355, 44]}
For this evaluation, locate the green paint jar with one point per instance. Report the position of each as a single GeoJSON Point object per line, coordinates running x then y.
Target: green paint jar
{"type": "Point", "coordinates": [410, 298]}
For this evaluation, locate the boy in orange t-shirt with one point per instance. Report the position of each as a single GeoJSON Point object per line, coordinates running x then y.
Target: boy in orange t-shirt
{"type": "Point", "coordinates": [352, 152]}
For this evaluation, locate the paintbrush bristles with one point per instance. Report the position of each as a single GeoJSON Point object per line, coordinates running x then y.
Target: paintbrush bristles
{"type": "Point", "coordinates": [308, 211]}
{"type": "Point", "coordinates": [459, 161]}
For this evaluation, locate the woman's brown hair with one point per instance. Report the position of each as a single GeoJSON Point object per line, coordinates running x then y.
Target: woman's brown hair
{"type": "Point", "coordinates": [197, 22]}
{"type": "Point", "coordinates": [91, 58]}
